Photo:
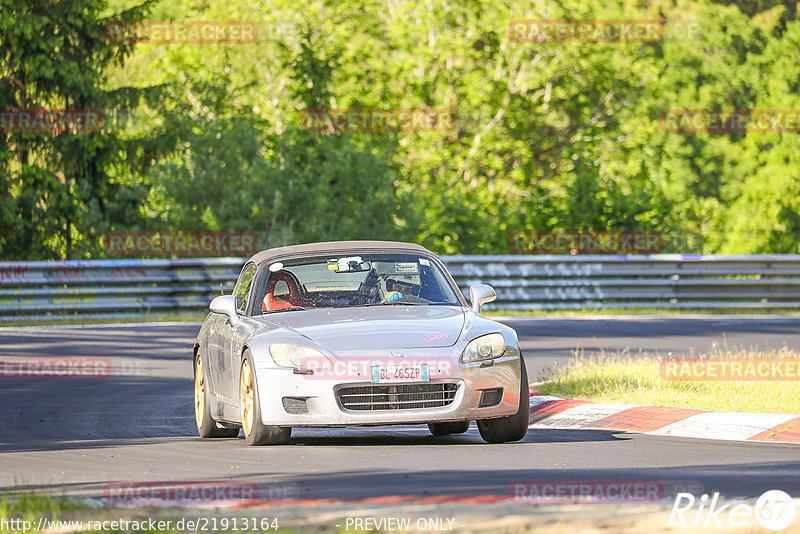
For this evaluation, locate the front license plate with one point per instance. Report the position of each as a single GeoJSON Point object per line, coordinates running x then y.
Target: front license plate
{"type": "Point", "coordinates": [400, 373]}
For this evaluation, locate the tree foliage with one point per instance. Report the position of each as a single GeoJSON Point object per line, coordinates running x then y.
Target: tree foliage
{"type": "Point", "coordinates": [62, 188]}
{"type": "Point", "coordinates": [547, 136]}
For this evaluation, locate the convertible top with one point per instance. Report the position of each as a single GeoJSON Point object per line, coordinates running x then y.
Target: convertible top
{"type": "Point", "coordinates": [344, 247]}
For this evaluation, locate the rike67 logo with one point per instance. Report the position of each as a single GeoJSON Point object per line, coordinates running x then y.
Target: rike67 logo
{"type": "Point", "coordinates": [774, 510]}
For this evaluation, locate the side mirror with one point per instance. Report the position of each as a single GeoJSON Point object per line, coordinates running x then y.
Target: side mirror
{"type": "Point", "coordinates": [480, 294]}
{"type": "Point", "coordinates": [226, 305]}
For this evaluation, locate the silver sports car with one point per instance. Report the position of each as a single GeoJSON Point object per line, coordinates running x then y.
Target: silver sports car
{"type": "Point", "coordinates": [355, 333]}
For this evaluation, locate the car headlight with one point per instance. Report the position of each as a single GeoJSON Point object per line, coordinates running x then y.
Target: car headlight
{"type": "Point", "coordinates": [484, 348]}
{"type": "Point", "coordinates": [287, 355]}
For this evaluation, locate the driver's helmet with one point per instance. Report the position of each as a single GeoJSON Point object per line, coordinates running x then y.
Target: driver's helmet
{"type": "Point", "coordinates": [406, 287]}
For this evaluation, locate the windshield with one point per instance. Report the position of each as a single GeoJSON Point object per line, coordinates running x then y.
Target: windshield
{"type": "Point", "coordinates": [356, 280]}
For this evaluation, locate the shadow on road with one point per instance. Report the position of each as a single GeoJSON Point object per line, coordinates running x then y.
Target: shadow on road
{"type": "Point", "coordinates": [731, 481]}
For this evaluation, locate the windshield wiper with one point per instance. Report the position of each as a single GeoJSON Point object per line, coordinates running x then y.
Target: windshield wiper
{"type": "Point", "coordinates": [289, 308]}
{"type": "Point", "coordinates": [393, 303]}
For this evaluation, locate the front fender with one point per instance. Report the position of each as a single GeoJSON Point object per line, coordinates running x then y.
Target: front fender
{"type": "Point", "coordinates": [476, 326]}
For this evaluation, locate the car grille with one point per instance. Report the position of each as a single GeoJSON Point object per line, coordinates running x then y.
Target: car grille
{"type": "Point", "coordinates": [397, 396]}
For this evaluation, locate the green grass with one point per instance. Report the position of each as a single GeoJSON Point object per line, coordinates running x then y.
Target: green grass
{"type": "Point", "coordinates": [634, 379]}
{"type": "Point", "coordinates": [29, 505]}
{"type": "Point", "coordinates": [32, 506]}
{"type": "Point", "coordinates": [77, 320]}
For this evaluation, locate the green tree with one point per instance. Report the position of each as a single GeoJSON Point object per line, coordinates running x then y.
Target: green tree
{"type": "Point", "coordinates": [233, 173]}
{"type": "Point", "coordinates": [63, 188]}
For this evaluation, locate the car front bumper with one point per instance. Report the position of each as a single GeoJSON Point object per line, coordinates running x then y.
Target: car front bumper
{"type": "Point", "coordinates": [319, 400]}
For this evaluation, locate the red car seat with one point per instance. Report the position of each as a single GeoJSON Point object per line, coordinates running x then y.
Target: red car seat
{"type": "Point", "coordinates": [270, 303]}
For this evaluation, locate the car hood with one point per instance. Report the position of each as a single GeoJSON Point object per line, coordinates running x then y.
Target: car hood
{"type": "Point", "coordinates": [377, 328]}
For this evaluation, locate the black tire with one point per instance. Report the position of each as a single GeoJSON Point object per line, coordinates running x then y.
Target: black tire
{"type": "Point", "coordinates": [514, 427]}
{"type": "Point", "coordinates": [207, 427]}
{"type": "Point", "coordinates": [451, 427]}
{"type": "Point", "coordinates": [255, 432]}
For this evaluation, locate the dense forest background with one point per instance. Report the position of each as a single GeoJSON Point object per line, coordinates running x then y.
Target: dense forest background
{"type": "Point", "coordinates": [547, 136]}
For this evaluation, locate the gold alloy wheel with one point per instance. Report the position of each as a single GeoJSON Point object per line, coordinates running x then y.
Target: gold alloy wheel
{"type": "Point", "coordinates": [199, 391]}
{"type": "Point", "coordinates": [246, 397]}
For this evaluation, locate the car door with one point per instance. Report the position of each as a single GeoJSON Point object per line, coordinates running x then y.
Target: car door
{"type": "Point", "coordinates": [227, 338]}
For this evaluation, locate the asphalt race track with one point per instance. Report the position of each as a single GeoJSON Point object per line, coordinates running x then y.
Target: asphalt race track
{"type": "Point", "coordinates": [137, 425]}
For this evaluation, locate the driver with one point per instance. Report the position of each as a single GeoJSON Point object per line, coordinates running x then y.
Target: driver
{"type": "Point", "coordinates": [401, 286]}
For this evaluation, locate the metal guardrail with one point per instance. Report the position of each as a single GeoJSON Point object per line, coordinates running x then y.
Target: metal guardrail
{"type": "Point", "coordinates": [103, 289]}
{"type": "Point", "coordinates": [111, 289]}
{"type": "Point", "coordinates": [688, 281]}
